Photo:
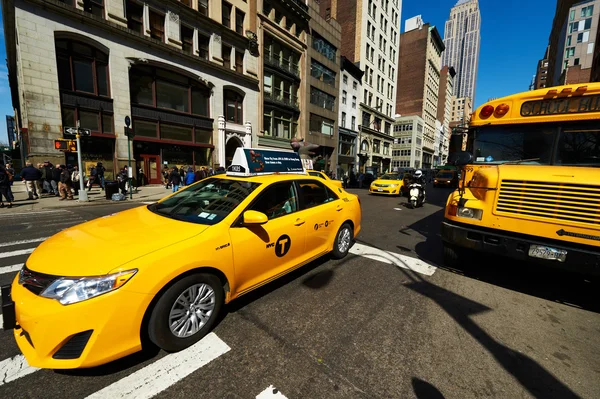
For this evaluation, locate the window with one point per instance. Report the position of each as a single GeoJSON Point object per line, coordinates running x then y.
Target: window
{"type": "Point", "coordinates": [203, 7]}
{"type": "Point", "coordinates": [187, 38]}
{"type": "Point", "coordinates": [353, 123]}
{"type": "Point", "coordinates": [586, 11]}
{"type": "Point", "coordinates": [345, 79]}
{"type": "Point", "coordinates": [366, 119]}
{"type": "Point", "coordinates": [344, 95]}
{"type": "Point", "coordinates": [321, 125]}
{"type": "Point", "coordinates": [578, 146]}
{"type": "Point", "coordinates": [579, 37]}
{"type": "Point", "coordinates": [277, 200]}
{"type": "Point", "coordinates": [278, 123]}
{"type": "Point", "coordinates": [587, 24]}
{"type": "Point", "coordinates": [343, 119]}
{"type": "Point", "coordinates": [322, 99]}
{"type": "Point", "coordinates": [82, 68]}
{"type": "Point", "coordinates": [95, 7]}
{"type": "Point", "coordinates": [590, 48]}
{"type": "Point", "coordinates": [233, 107]}
{"type": "Point", "coordinates": [226, 55]}
{"type": "Point", "coordinates": [570, 52]}
{"type": "Point", "coordinates": [324, 47]}
{"type": "Point", "coordinates": [226, 14]}
{"type": "Point", "coordinates": [239, 21]}
{"type": "Point", "coordinates": [376, 146]}
{"type": "Point", "coordinates": [321, 72]}
{"type": "Point", "coordinates": [239, 61]}
{"type": "Point", "coordinates": [386, 148]}
{"type": "Point", "coordinates": [157, 26]}
{"type": "Point", "coordinates": [572, 15]}
{"type": "Point", "coordinates": [203, 44]}
{"type": "Point", "coordinates": [135, 17]}
{"type": "Point", "coordinates": [355, 85]}
{"type": "Point", "coordinates": [569, 40]}
{"type": "Point", "coordinates": [388, 127]}
{"type": "Point", "coordinates": [354, 102]}
{"type": "Point", "coordinates": [576, 61]}
{"type": "Point", "coordinates": [314, 193]}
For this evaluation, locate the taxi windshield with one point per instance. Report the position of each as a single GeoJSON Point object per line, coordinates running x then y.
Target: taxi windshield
{"type": "Point", "coordinates": [445, 175]}
{"type": "Point", "coordinates": [207, 202]}
{"type": "Point", "coordinates": [391, 176]}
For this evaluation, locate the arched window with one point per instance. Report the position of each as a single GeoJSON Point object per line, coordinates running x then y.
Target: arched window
{"type": "Point", "coordinates": [82, 68]}
{"type": "Point", "coordinates": [234, 107]}
{"type": "Point", "coordinates": [364, 146]}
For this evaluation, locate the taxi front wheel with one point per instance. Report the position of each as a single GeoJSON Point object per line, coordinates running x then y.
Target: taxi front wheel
{"type": "Point", "coordinates": [343, 241]}
{"type": "Point", "coordinates": [186, 312]}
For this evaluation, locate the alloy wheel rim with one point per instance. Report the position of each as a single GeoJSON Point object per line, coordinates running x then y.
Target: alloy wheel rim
{"type": "Point", "coordinates": [192, 310]}
{"type": "Point", "coordinates": [344, 241]}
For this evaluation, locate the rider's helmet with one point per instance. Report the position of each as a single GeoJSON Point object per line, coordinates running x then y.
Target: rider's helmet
{"type": "Point", "coordinates": [418, 173]}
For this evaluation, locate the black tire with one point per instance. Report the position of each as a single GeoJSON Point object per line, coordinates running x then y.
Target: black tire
{"type": "Point", "coordinates": [338, 253]}
{"type": "Point", "coordinates": [159, 331]}
{"type": "Point", "coordinates": [453, 256]}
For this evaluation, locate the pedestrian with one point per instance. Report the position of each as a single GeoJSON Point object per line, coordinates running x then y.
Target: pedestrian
{"type": "Point", "coordinates": [189, 177]}
{"type": "Point", "coordinates": [166, 175]}
{"type": "Point", "coordinates": [56, 179]}
{"type": "Point", "coordinates": [47, 170]}
{"type": "Point", "coordinates": [32, 176]}
{"type": "Point", "coordinates": [175, 179]}
{"type": "Point", "coordinates": [65, 183]}
{"type": "Point", "coordinates": [76, 178]}
{"type": "Point", "coordinates": [122, 179]}
{"type": "Point", "coordinates": [100, 172]}
{"type": "Point", "coordinates": [182, 174]}
{"type": "Point", "coordinates": [11, 171]}
{"type": "Point", "coordinates": [198, 175]}
{"type": "Point", "coordinates": [5, 191]}
{"type": "Point", "coordinates": [93, 178]}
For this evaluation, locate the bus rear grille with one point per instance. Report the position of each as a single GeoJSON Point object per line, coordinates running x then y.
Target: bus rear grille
{"type": "Point", "coordinates": [575, 203]}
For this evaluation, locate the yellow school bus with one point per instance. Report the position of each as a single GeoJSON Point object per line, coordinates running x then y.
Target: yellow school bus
{"type": "Point", "coordinates": [530, 186]}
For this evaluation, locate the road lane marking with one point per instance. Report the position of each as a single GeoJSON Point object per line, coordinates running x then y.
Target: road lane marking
{"type": "Point", "coordinates": [13, 243]}
{"type": "Point", "coordinates": [271, 393]}
{"type": "Point", "coordinates": [16, 253]}
{"type": "Point", "coordinates": [397, 209]}
{"type": "Point", "coordinates": [148, 202]}
{"type": "Point", "coordinates": [14, 368]}
{"type": "Point", "coordinates": [8, 215]}
{"type": "Point", "coordinates": [158, 376]}
{"type": "Point", "coordinates": [403, 261]}
{"type": "Point", "coordinates": [10, 269]}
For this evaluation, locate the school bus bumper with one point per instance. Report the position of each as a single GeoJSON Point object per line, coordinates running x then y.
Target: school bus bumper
{"type": "Point", "coordinates": [581, 258]}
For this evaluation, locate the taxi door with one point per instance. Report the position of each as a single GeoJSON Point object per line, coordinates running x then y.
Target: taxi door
{"type": "Point", "coordinates": [262, 252]}
{"type": "Point", "coordinates": [322, 209]}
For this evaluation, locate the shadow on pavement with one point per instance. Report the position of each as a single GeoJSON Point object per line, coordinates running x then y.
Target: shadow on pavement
{"type": "Point", "coordinates": [424, 390]}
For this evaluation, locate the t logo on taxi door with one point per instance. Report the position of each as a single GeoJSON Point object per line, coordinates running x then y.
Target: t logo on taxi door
{"type": "Point", "coordinates": [282, 246]}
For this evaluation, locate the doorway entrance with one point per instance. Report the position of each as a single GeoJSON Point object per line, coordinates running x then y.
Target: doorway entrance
{"type": "Point", "coordinates": [151, 168]}
{"type": "Point", "coordinates": [232, 144]}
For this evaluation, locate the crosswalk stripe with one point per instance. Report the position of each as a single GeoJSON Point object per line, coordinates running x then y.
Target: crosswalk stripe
{"type": "Point", "coordinates": [158, 376]}
{"type": "Point", "coordinates": [8, 215]}
{"type": "Point", "coordinates": [13, 243]}
{"type": "Point", "coordinates": [271, 393]}
{"type": "Point", "coordinates": [10, 269]}
{"type": "Point", "coordinates": [16, 253]}
{"type": "Point", "coordinates": [403, 261]}
{"type": "Point", "coordinates": [14, 368]}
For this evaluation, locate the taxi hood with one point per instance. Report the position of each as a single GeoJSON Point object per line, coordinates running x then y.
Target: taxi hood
{"type": "Point", "coordinates": [101, 245]}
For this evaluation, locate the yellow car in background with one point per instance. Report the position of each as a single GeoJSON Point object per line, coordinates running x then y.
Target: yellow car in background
{"type": "Point", "coordinates": [166, 269]}
{"type": "Point", "coordinates": [388, 184]}
{"type": "Point", "coordinates": [323, 175]}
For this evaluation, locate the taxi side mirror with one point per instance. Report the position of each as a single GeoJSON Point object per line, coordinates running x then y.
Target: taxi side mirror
{"type": "Point", "coordinates": [254, 218]}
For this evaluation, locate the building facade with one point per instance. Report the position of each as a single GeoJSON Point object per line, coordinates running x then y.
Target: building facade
{"type": "Point", "coordinates": [300, 69]}
{"type": "Point", "coordinates": [462, 37]}
{"type": "Point", "coordinates": [419, 82]}
{"type": "Point", "coordinates": [408, 142]}
{"type": "Point", "coordinates": [578, 44]}
{"type": "Point", "coordinates": [371, 39]}
{"type": "Point", "coordinates": [462, 108]}
{"type": "Point", "coordinates": [184, 72]}
{"type": "Point", "coordinates": [444, 110]}
{"type": "Point", "coordinates": [541, 76]}
{"type": "Point", "coordinates": [10, 131]}
{"type": "Point", "coordinates": [350, 90]}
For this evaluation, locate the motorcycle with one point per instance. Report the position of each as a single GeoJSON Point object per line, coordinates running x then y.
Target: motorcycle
{"type": "Point", "coordinates": [416, 195]}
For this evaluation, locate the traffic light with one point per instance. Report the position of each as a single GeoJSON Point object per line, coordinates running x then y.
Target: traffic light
{"type": "Point", "coordinates": [72, 146]}
{"type": "Point", "coordinates": [61, 145]}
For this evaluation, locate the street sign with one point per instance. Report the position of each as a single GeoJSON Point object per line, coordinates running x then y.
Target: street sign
{"type": "Point", "coordinates": [74, 131]}
{"type": "Point", "coordinates": [127, 121]}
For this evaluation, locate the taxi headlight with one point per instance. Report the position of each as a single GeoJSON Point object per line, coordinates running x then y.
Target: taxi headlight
{"type": "Point", "coordinates": [470, 213]}
{"type": "Point", "coordinates": [68, 290]}
{"type": "Point", "coordinates": [393, 185]}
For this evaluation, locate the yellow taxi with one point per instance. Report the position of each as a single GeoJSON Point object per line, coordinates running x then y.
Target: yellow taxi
{"type": "Point", "coordinates": [165, 270]}
{"type": "Point", "coordinates": [322, 175]}
{"type": "Point", "coordinates": [388, 184]}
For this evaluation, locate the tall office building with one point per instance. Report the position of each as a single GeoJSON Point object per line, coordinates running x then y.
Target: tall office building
{"type": "Point", "coordinates": [462, 37]}
{"type": "Point", "coordinates": [371, 40]}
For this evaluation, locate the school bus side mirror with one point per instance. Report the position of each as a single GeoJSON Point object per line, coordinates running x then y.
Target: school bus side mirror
{"type": "Point", "coordinates": [460, 158]}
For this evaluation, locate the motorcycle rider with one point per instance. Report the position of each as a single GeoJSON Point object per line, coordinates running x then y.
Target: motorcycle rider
{"type": "Point", "coordinates": [419, 178]}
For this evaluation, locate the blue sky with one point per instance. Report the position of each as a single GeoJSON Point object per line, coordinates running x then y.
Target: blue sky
{"type": "Point", "coordinates": [514, 35]}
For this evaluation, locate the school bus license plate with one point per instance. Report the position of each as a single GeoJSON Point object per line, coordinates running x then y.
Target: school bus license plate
{"type": "Point", "coordinates": [548, 253]}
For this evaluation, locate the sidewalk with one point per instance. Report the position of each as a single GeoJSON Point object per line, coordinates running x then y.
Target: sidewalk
{"type": "Point", "coordinates": [149, 193]}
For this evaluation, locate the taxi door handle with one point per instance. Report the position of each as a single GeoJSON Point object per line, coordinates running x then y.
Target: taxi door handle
{"type": "Point", "coordinates": [299, 222]}
{"type": "Point", "coordinates": [339, 208]}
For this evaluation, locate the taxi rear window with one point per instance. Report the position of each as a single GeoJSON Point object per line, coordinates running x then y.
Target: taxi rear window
{"type": "Point", "coordinates": [207, 202]}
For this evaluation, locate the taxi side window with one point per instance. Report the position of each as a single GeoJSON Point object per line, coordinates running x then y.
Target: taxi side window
{"type": "Point", "coordinates": [316, 174]}
{"type": "Point", "coordinates": [277, 200]}
{"type": "Point", "coordinates": [314, 193]}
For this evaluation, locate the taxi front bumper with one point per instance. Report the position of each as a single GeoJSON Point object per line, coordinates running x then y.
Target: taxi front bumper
{"type": "Point", "coordinates": [84, 334]}
{"type": "Point", "coordinates": [385, 190]}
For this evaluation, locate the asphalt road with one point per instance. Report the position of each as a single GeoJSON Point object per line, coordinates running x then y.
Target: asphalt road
{"type": "Point", "coordinates": [355, 328]}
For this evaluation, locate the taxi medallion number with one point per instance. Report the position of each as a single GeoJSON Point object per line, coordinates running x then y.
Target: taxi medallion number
{"type": "Point", "coordinates": [548, 253]}
{"type": "Point", "coordinates": [380, 189]}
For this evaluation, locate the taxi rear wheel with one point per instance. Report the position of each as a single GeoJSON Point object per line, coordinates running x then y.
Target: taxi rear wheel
{"type": "Point", "coordinates": [343, 241]}
{"type": "Point", "coordinates": [186, 312]}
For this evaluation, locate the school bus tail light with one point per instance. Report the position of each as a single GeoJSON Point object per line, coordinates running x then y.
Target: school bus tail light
{"type": "Point", "coordinates": [487, 111]}
{"type": "Point", "coordinates": [502, 109]}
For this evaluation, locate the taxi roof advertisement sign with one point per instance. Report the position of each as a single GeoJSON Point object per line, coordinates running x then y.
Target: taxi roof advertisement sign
{"type": "Point", "coordinates": [259, 161]}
